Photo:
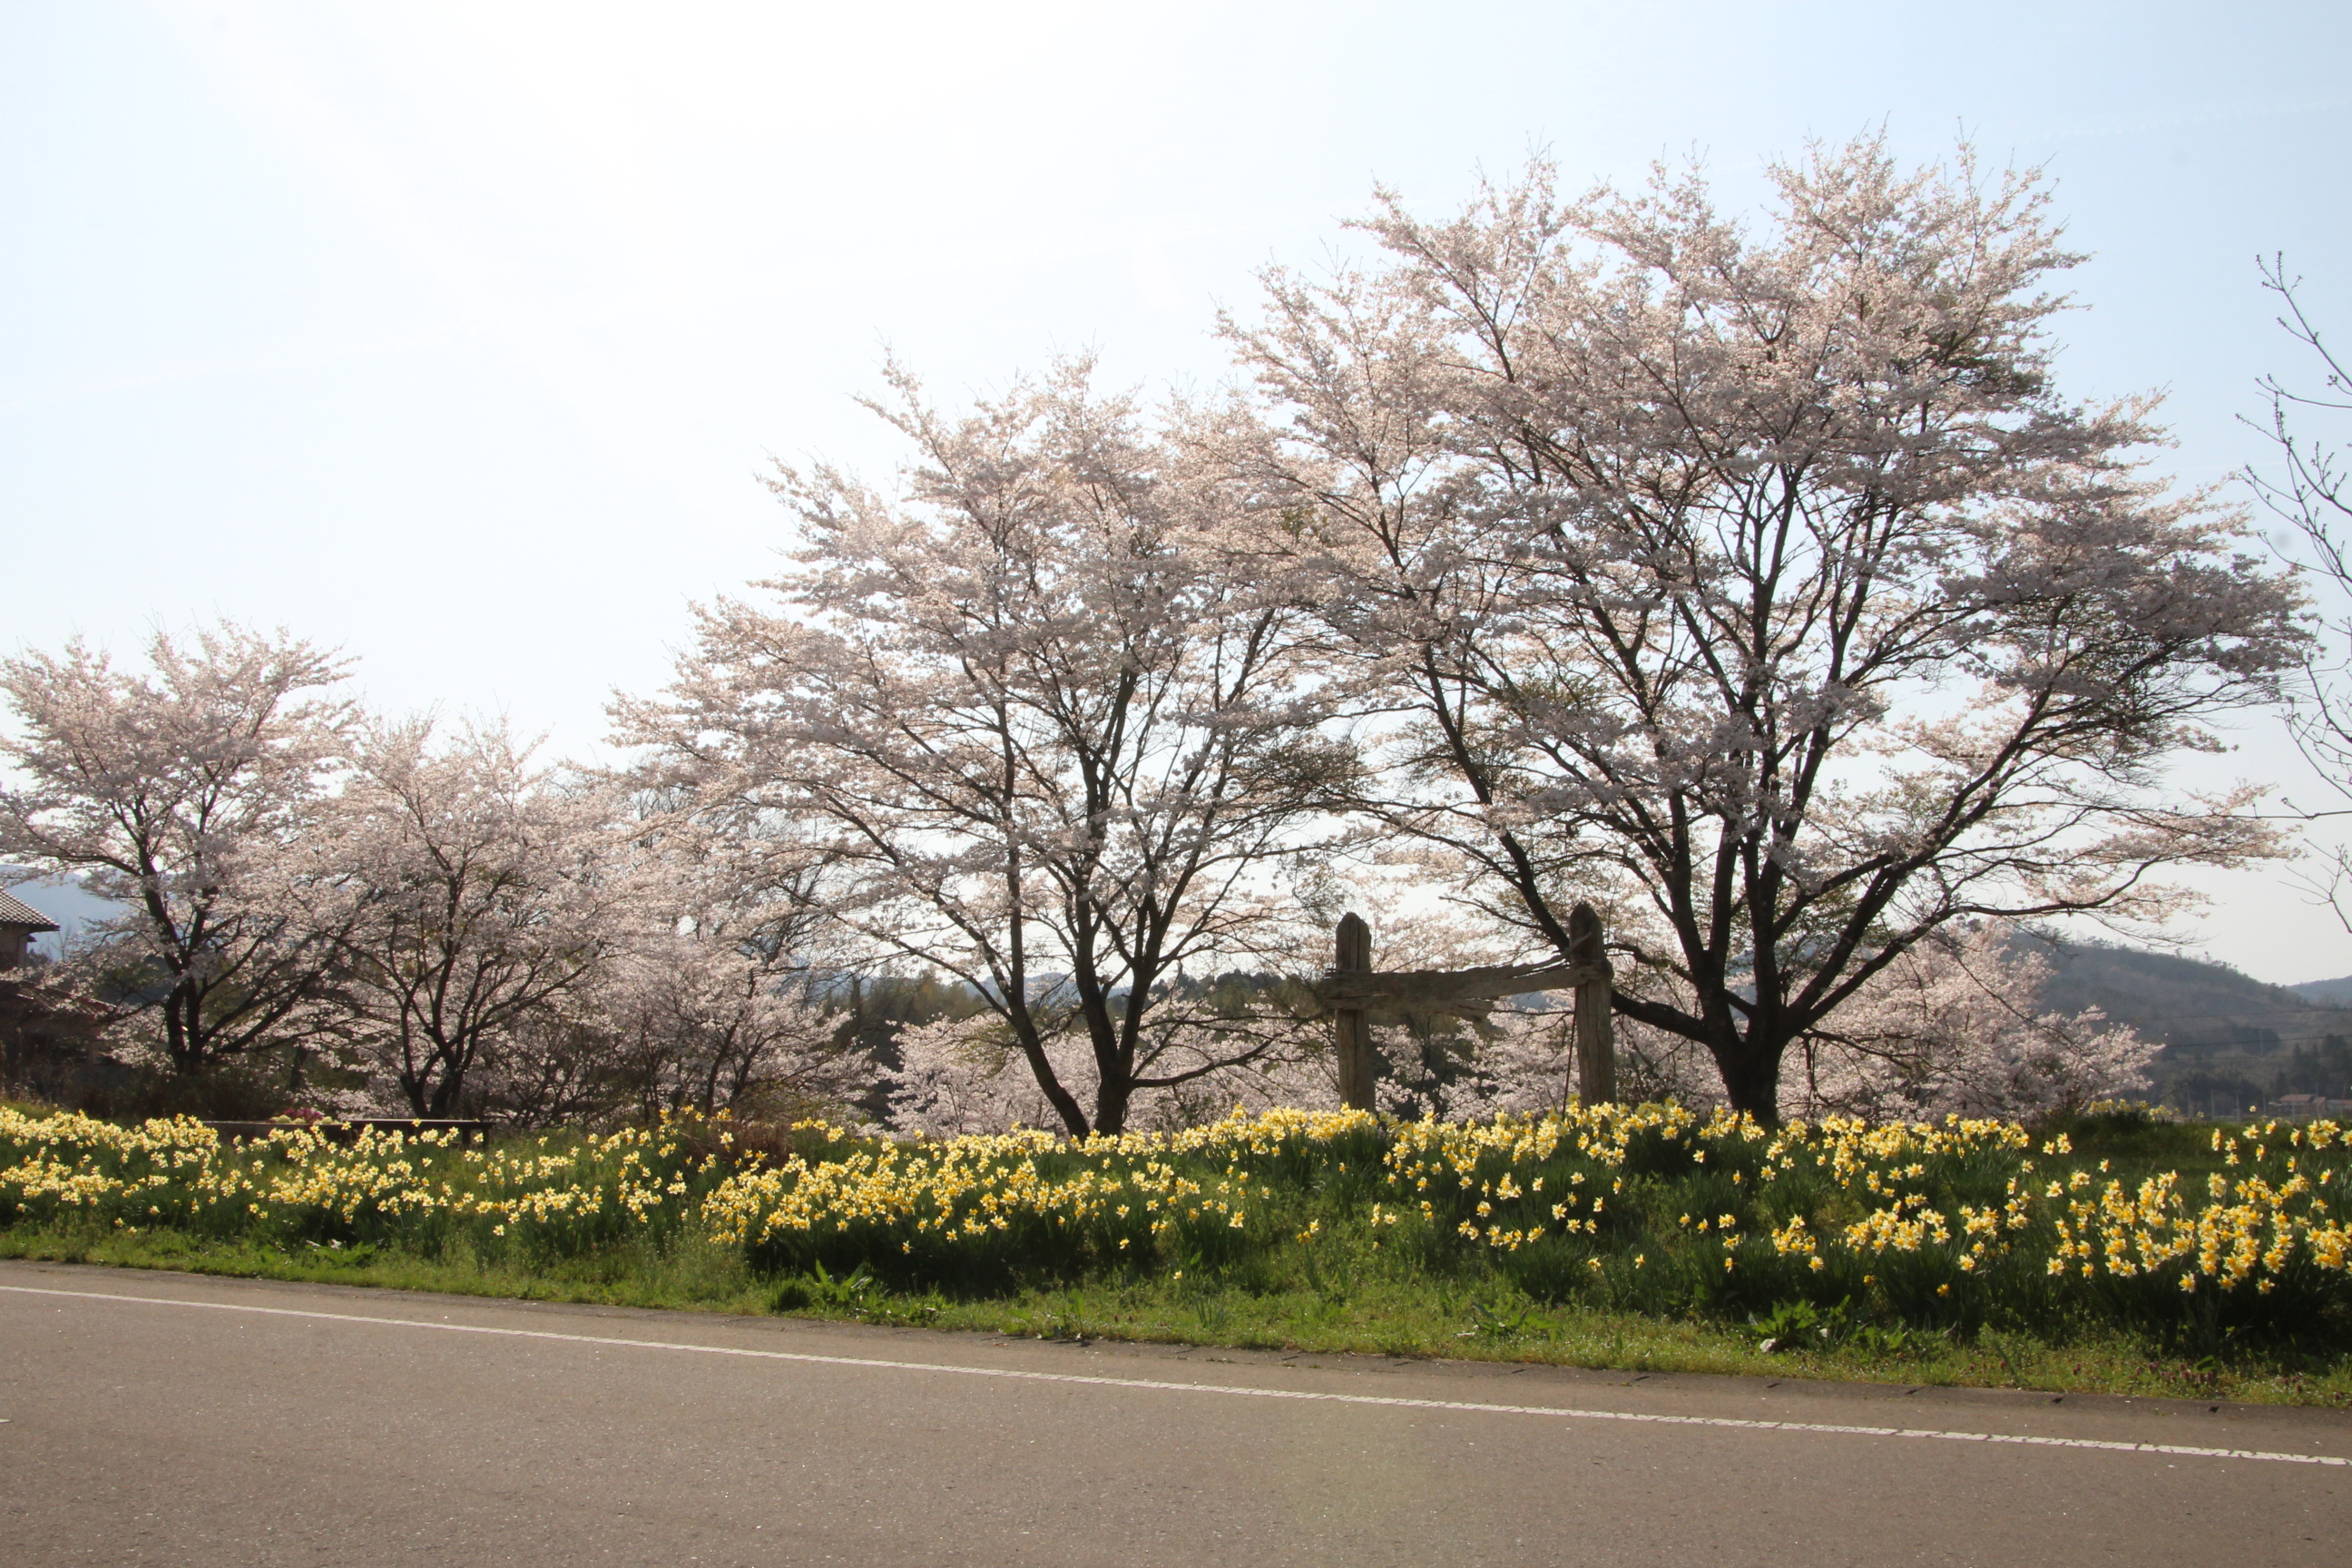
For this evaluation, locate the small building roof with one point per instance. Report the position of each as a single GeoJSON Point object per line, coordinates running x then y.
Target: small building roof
{"type": "Point", "coordinates": [15, 912]}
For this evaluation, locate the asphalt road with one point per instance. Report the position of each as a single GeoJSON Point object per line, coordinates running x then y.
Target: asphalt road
{"type": "Point", "coordinates": [171, 1419]}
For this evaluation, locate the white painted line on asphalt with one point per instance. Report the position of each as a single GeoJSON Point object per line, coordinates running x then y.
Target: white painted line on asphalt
{"type": "Point", "coordinates": [1560, 1411]}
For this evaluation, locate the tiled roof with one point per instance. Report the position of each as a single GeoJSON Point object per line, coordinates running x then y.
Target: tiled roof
{"type": "Point", "coordinates": [17, 912]}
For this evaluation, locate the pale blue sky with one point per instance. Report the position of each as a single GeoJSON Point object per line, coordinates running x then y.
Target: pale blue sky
{"type": "Point", "coordinates": [456, 335]}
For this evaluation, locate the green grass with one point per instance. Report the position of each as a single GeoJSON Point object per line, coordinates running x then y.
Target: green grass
{"type": "Point", "coordinates": [1484, 1320]}
{"type": "Point", "coordinates": [1313, 1273]}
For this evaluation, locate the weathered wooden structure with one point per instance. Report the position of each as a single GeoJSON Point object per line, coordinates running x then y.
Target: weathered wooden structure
{"type": "Point", "coordinates": [20, 923]}
{"type": "Point", "coordinates": [1355, 990]}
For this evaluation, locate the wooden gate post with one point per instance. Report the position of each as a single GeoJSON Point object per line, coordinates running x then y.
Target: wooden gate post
{"type": "Point", "coordinates": [1596, 1037]}
{"type": "Point", "coordinates": [1352, 1036]}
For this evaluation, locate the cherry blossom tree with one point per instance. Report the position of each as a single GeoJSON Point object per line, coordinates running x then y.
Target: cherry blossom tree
{"type": "Point", "coordinates": [725, 992]}
{"type": "Point", "coordinates": [722, 1023]}
{"type": "Point", "coordinates": [959, 1076]}
{"type": "Point", "coordinates": [175, 791]}
{"type": "Point", "coordinates": [966, 1075]}
{"type": "Point", "coordinates": [1756, 582]}
{"type": "Point", "coordinates": [1042, 734]}
{"type": "Point", "coordinates": [1956, 1024]}
{"type": "Point", "coordinates": [470, 891]}
{"type": "Point", "coordinates": [683, 1019]}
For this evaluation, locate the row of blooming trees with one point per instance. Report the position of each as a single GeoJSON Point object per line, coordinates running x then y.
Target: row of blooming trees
{"type": "Point", "coordinates": [429, 909]}
{"type": "Point", "coordinates": [1754, 581]}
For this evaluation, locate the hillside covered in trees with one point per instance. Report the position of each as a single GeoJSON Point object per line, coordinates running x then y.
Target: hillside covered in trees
{"type": "Point", "coordinates": [2229, 1040]}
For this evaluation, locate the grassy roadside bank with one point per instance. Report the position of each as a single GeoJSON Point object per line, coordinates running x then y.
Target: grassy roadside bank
{"type": "Point", "coordinates": [1491, 1324]}
{"type": "Point", "coordinates": [2114, 1256]}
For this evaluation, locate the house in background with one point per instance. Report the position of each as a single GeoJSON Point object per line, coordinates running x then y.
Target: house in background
{"type": "Point", "coordinates": [20, 923]}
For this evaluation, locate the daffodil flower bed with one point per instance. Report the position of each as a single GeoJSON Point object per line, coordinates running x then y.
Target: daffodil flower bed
{"type": "Point", "coordinates": [981, 1212]}
{"type": "Point", "coordinates": [1935, 1224]}
{"type": "Point", "coordinates": [1653, 1209]}
{"type": "Point", "coordinates": [550, 1196]}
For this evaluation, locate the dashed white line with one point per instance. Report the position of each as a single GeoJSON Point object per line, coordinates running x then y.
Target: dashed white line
{"type": "Point", "coordinates": [1559, 1412]}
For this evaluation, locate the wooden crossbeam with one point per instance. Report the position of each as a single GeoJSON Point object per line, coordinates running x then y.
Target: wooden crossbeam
{"type": "Point", "coordinates": [1408, 990]}
{"type": "Point", "coordinates": [1353, 990]}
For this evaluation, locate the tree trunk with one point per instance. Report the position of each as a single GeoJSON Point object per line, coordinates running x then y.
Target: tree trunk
{"type": "Point", "coordinates": [182, 1014]}
{"type": "Point", "coordinates": [1065, 1104]}
{"type": "Point", "coordinates": [1751, 1077]}
{"type": "Point", "coordinates": [1111, 1101]}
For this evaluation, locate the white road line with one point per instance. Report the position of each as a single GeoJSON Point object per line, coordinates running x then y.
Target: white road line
{"type": "Point", "coordinates": [1558, 1411]}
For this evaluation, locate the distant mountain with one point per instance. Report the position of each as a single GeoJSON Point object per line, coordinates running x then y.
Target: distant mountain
{"type": "Point", "coordinates": [2231, 1042]}
{"type": "Point", "coordinates": [2327, 993]}
{"type": "Point", "coordinates": [2193, 1004]}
